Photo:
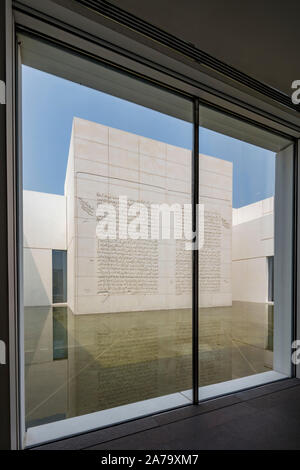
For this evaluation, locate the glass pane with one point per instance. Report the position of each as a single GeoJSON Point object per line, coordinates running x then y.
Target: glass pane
{"type": "Point", "coordinates": [271, 278]}
{"type": "Point", "coordinates": [60, 333]}
{"type": "Point", "coordinates": [106, 181]}
{"type": "Point", "coordinates": [236, 258]}
{"type": "Point", "coordinates": [59, 276]}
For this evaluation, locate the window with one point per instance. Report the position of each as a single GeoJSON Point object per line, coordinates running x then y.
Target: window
{"type": "Point", "coordinates": [107, 211]}
{"type": "Point", "coordinates": [270, 278]}
{"type": "Point", "coordinates": [109, 198]}
{"type": "Point", "coordinates": [242, 337]}
{"type": "Point", "coordinates": [59, 270]}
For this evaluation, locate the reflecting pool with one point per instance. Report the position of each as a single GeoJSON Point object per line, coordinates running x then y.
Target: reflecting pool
{"type": "Point", "coordinates": [78, 364]}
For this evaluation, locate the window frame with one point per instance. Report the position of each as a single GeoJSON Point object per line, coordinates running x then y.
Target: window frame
{"type": "Point", "coordinates": [261, 117]}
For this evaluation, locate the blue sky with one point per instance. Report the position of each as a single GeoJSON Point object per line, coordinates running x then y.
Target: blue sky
{"type": "Point", "coordinates": [50, 103]}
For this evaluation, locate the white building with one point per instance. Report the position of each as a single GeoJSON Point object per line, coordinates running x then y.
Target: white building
{"type": "Point", "coordinates": [126, 275]}
{"type": "Point", "coordinates": [44, 228]}
{"type": "Point", "coordinates": [253, 252]}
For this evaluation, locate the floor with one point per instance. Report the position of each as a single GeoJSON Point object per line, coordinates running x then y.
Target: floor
{"type": "Point", "coordinates": [267, 417]}
{"type": "Point", "coordinates": [80, 364]}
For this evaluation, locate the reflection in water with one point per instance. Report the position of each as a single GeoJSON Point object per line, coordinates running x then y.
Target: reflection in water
{"type": "Point", "coordinates": [107, 360]}
{"type": "Point", "coordinates": [60, 333]}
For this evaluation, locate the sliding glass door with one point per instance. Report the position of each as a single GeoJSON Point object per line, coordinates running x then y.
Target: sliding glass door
{"type": "Point", "coordinates": [106, 256]}
{"type": "Point", "coordinates": [246, 193]}
{"type": "Point", "coordinates": [132, 236]}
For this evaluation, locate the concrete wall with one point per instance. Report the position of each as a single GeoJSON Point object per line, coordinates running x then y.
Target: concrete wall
{"type": "Point", "coordinates": [128, 275]}
{"type": "Point", "coordinates": [252, 243]}
{"type": "Point", "coordinates": [44, 228]}
{"type": "Point", "coordinates": [215, 256]}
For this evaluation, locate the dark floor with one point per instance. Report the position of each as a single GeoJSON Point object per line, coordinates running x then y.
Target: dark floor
{"type": "Point", "coordinates": [267, 417]}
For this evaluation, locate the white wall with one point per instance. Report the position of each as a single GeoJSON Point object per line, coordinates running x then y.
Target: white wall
{"type": "Point", "coordinates": [70, 224]}
{"type": "Point", "coordinates": [37, 277]}
{"type": "Point", "coordinates": [106, 162]}
{"type": "Point", "coordinates": [44, 222]}
{"type": "Point", "coordinates": [215, 257]}
{"type": "Point", "coordinates": [250, 280]}
{"type": "Point", "coordinates": [252, 243]}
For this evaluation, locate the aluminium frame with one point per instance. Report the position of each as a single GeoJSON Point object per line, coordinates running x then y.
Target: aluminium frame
{"type": "Point", "coordinates": [96, 49]}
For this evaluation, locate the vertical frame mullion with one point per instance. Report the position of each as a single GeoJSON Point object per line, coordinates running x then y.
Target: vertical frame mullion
{"type": "Point", "coordinates": [296, 253]}
{"type": "Point", "coordinates": [5, 369]}
{"type": "Point", "coordinates": [195, 253]}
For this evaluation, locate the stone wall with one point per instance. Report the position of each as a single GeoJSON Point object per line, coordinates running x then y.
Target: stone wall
{"type": "Point", "coordinates": [129, 275]}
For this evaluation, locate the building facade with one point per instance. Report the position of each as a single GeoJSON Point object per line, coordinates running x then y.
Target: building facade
{"type": "Point", "coordinates": [253, 252]}
{"type": "Point", "coordinates": [110, 275]}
